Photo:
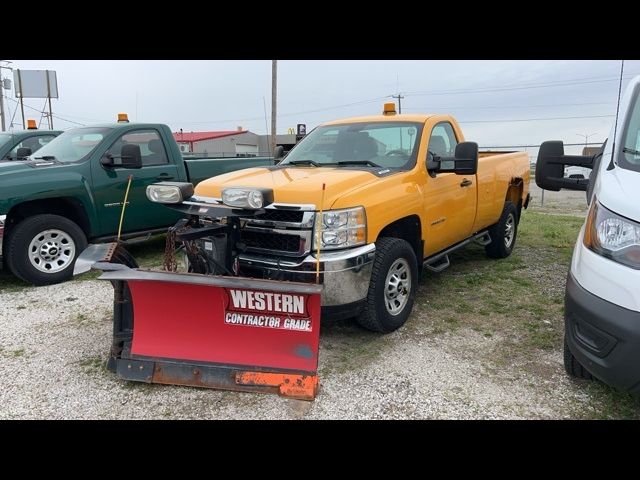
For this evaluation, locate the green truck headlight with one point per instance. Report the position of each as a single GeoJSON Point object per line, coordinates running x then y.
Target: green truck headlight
{"type": "Point", "coordinates": [242, 197]}
{"type": "Point", "coordinates": [169, 192]}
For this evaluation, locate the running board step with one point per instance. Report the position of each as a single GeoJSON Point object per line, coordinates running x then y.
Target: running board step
{"type": "Point", "coordinates": [484, 240]}
{"type": "Point", "coordinates": [439, 264]}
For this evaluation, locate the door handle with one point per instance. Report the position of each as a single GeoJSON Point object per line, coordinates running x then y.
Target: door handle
{"type": "Point", "coordinates": [466, 182]}
{"type": "Point", "coordinates": [164, 176]}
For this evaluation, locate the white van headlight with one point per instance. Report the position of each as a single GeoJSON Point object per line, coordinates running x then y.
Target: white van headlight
{"type": "Point", "coordinates": [341, 228]}
{"type": "Point", "coordinates": [612, 236]}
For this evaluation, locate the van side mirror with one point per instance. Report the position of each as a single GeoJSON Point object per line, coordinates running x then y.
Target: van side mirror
{"type": "Point", "coordinates": [22, 153]}
{"type": "Point", "coordinates": [550, 168]}
{"type": "Point", "coordinates": [464, 162]}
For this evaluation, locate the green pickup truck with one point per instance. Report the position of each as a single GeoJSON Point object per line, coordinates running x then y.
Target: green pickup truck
{"type": "Point", "coordinates": [11, 143]}
{"type": "Point", "coordinates": [71, 191]}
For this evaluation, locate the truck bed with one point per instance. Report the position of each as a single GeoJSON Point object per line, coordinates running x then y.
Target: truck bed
{"type": "Point", "coordinates": [496, 171]}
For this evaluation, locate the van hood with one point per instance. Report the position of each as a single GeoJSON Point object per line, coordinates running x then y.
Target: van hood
{"type": "Point", "coordinates": [619, 191]}
{"type": "Point", "coordinates": [297, 185]}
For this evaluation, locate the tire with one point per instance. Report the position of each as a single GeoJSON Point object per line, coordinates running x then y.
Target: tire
{"type": "Point", "coordinates": [43, 249]}
{"type": "Point", "coordinates": [572, 366]}
{"type": "Point", "coordinates": [502, 244]}
{"type": "Point", "coordinates": [397, 255]}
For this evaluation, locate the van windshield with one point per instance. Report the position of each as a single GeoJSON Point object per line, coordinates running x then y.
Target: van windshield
{"type": "Point", "coordinates": [629, 158]}
{"type": "Point", "coordinates": [383, 144]}
{"type": "Point", "coordinates": [73, 145]}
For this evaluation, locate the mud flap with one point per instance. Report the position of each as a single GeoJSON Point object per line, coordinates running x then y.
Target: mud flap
{"type": "Point", "coordinates": [229, 333]}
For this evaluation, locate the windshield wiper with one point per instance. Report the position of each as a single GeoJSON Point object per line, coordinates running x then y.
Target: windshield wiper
{"type": "Point", "coordinates": [631, 151]}
{"type": "Point", "coordinates": [359, 162]}
{"type": "Point", "coordinates": [45, 157]}
{"type": "Point", "coordinates": [302, 162]}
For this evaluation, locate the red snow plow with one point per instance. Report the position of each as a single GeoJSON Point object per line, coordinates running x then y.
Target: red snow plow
{"type": "Point", "coordinates": [210, 327]}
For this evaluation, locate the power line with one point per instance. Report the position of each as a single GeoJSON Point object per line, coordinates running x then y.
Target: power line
{"type": "Point", "coordinates": [534, 119]}
{"type": "Point", "coordinates": [496, 107]}
{"type": "Point", "coordinates": [560, 83]}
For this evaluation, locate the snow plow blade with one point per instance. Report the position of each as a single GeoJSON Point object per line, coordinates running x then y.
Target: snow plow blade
{"type": "Point", "coordinates": [221, 332]}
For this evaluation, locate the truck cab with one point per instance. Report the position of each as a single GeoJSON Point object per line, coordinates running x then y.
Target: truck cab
{"type": "Point", "coordinates": [20, 144]}
{"type": "Point", "coordinates": [602, 298]}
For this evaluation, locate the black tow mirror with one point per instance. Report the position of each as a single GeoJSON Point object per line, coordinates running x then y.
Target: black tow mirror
{"type": "Point", "coordinates": [465, 161]}
{"type": "Point", "coordinates": [278, 153]}
{"type": "Point", "coordinates": [130, 157]}
{"type": "Point", "coordinates": [23, 152]}
{"type": "Point", "coordinates": [550, 168]}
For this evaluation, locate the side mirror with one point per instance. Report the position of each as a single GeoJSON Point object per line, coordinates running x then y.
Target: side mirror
{"type": "Point", "coordinates": [465, 161]}
{"type": "Point", "coordinates": [278, 153]}
{"type": "Point", "coordinates": [22, 153]}
{"type": "Point", "coordinates": [130, 157]}
{"type": "Point", "coordinates": [551, 164]}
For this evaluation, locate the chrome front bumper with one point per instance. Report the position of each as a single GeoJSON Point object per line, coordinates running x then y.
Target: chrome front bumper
{"type": "Point", "coordinates": [345, 274]}
{"type": "Point", "coordinates": [3, 219]}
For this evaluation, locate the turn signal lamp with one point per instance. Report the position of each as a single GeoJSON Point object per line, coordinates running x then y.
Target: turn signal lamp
{"type": "Point", "coordinates": [389, 109]}
{"type": "Point", "coordinates": [31, 125]}
{"type": "Point", "coordinates": [123, 118]}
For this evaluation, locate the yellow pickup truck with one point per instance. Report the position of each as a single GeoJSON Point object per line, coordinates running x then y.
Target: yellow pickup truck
{"type": "Point", "coordinates": [375, 198]}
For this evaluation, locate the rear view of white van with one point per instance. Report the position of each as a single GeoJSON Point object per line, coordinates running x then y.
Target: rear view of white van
{"type": "Point", "coordinates": [602, 298]}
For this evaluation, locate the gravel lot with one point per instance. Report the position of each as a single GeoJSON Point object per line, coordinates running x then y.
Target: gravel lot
{"type": "Point", "coordinates": [54, 340]}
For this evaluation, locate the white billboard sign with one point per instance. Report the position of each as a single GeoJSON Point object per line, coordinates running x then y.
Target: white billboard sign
{"type": "Point", "coordinates": [35, 83]}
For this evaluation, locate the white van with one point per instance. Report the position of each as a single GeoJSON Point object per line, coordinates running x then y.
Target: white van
{"type": "Point", "coordinates": [602, 298]}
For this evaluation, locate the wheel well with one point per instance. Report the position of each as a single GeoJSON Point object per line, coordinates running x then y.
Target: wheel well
{"type": "Point", "coordinates": [65, 207]}
{"type": "Point", "coordinates": [514, 193]}
{"type": "Point", "coordinates": [409, 229]}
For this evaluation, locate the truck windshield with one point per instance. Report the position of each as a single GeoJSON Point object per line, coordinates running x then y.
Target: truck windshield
{"type": "Point", "coordinates": [73, 145]}
{"type": "Point", "coordinates": [384, 144]}
{"type": "Point", "coordinates": [629, 158]}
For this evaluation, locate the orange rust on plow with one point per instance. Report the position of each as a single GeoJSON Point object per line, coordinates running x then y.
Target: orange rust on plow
{"type": "Point", "coordinates": [302, 387]}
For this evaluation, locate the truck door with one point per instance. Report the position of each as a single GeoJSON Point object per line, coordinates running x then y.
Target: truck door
{"type": "Point", "coordinates": [449, 199]}
{"type": "Point", "coordinates": [110, 185]}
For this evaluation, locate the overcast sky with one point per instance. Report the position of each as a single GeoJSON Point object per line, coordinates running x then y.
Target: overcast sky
{"type": "Point", "coordinates": [497, 102]}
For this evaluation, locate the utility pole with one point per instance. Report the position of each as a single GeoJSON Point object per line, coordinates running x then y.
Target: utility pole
{"type": "Point", "coordinates": [586, 137]}
{"type": "Point", "coordinates": [274, 101]}
{"type": "Point", "coordinates": [399, 97]}
{"type": "Point", "coordinates": [2, 112]}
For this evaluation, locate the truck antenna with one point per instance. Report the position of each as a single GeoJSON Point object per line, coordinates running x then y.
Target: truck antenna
{"type": "Point", "coordinates": [615, 125]}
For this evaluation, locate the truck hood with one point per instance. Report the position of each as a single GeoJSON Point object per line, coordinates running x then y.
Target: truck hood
{"type": "Point", "coordinates": [13, 166]}
{"type": "Point", "coordinates": [298, 185]}
{"type": "Point", "coordinates": [619, 192]}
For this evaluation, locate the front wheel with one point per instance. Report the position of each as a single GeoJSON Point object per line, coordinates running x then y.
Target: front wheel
{"type": "Point", "coordinates": [43, 249]}
{"type": "Point", "coordinates": [392, 288]}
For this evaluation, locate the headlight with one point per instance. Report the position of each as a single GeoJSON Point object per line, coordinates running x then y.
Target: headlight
{"type": "Point", "coordinates": [169, 192]}
{"type": "Point", "coordinates": [341, 228]}
{"type": "Point", "coordinates": [612, 236]}
{"type": "Point", "coordinates": [247, 197]}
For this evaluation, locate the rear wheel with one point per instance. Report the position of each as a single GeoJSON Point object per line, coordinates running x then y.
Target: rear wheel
{"type": "Point", "coordinates": [394, 280]}
{"type": "Point", "coordinates": [503, 234]}
{"type": "Point", "coordinates": [43, 249]}
{"type": "Point", "coordinates": [572, 366]}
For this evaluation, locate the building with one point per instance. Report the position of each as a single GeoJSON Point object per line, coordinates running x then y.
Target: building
{"type": "Point", "coordinates": [230, 143]}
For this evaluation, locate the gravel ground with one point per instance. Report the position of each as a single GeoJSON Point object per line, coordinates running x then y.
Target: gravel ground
{"type": "Point", "coordinates": [54, 340]}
